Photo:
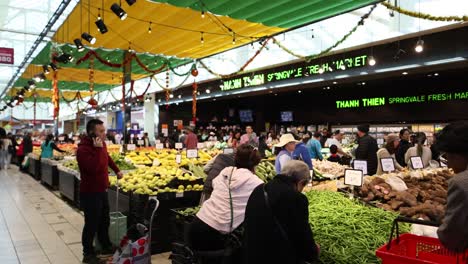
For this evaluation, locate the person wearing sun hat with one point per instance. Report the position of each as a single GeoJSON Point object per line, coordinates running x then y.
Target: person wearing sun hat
{"type": "Point", "coordinates": [288, 145]}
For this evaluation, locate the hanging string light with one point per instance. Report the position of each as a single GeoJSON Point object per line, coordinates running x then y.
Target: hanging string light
{"type": "Point", "coordinates": [202, 39]}
{"type": "Point", "coordinates": [149, 28]}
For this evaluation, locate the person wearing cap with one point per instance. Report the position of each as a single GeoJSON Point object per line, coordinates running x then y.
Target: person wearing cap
{"type": "Point", "coordinates": [288, 145]}
{"type": "Point", "coordinates": [453, 231]}
{"type": "Point", "coordinates": [336, 140]}
{"type": "Point", "coordinates": [191, 140]}
{"type": "Point", "coordinates": [393, 140]}
{"type": "Point", "coordinates": [367, 149]}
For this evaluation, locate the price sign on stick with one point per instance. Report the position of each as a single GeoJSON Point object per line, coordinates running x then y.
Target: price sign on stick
{"type": "Point", "coordinates": [159, 146]}
{"type": "Point", "coordinates": [178, 158]}
{"type": "Point", "coordinates": [141, 142]}
{"type": "Point", "coordinates": [388, 164]}
{"type": "Point", "coordinates": [61, 138]}
{"type": "Point", "coordinates": [158, 141]}
{"type": "Point", "coordinates": [192, 153]}
{"type": "Point", "coordinates": [360, 165]}
{"type": "Point", "coordinates": [178, 145]}
{"type": "Point", "coordinates": [131, 147]}
{"type": "Point", "coordinates": [228, 151]}
{"type": "Point", "coordinates": [380, 141]}
{"type": "Point", "coordinates": [353, 177]}
{"type": "Point", "coordinates": [200, 145]}
{"type": "Point", "coordinates": [417, 163]}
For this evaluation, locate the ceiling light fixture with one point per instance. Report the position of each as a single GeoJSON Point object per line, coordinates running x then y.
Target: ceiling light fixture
{"type": "Point", "coordinates": [171, 96]}
{"type": "Point", "coordinates": [149, 28]}
{"type": "Point", "coordinates": [202, 14]}
{"type": "Point", "coordinates": [45, 68]}
{"type": "Point", "coordinates": [202, 39]}
{"type": "Point", "coordinates": [40, 77]}
{"type": "Point", "coordinates": [436, 74]}
{"type": "Point", "coordinates": [130, 2]}
{"type": "Point", "coordinates": [53, 66]}
{"type": "Point", "coordinates": [180, 96]}
{"type": "Point", "coordinates": [404, 73]}
{"type": "Point", "coordinates": [233, 38]}
{"type": "Point", "coordinates": [118, 11]}
{"type": "Point", "coordinates": [371, 60]}
{"type": "Point", "coordinates": [79, 45]}
{"type": "Point", "coordinates": [31, 84]}
{"type": "Point", "coordinates": [207, 91]}
{"type": "Point", "coordinates": [88, 38]}
{"type": "Point", "coordinates": [101, 25]}
{"type": "Point", "coordinates": [419, 46]}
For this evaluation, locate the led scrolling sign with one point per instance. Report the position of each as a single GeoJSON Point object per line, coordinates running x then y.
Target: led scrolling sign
{"type": "Point", "coordinates": [295, 72]}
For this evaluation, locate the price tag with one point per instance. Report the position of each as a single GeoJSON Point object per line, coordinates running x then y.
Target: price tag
{"type": "Point", "coordinates": [131, 147]}
{"type": "Point", "coordinates": [388, 164]}
{"type": "Point", "coordinates": [201, 145]}
{"type": "Point", "coordinates": [179, 194]}
{"type": "Point", "coordinates": [353, 177]}
{"type": "Point", "coordinates": [141, 142]}
{"type": "Point", "coordinates": [75, 138]}
{"type": "Point", "coordinates": [178, 145]}
{"type": "Point", "coordinates": [178, 158]}
{"type": "Point", "coordinates": [158, 141]}
{"type": "Point", "coordinates": [61, 138]}
{"type": "Point", "coordinates": [228, 151]}
{"type": "Point", "coordinates": [417, 163]}
{"type": "Point", "coordinates": [360, 165]}
{"type": "Point", "coordinates": [192, 153]}
{"type": "Point", "coordinates": [380, 141]}
{"type": "Point", "coordinates": [159, 146]}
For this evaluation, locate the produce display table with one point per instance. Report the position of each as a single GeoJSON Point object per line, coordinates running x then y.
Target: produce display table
{"type": "Point", "coordinates": [49, 173]}
{"type": "Point", "coordinates": [69, 184]}
{"type": "Point", "coordinates": [34, 168]}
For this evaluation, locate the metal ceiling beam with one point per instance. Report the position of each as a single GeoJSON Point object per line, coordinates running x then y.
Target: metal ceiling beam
{"type": "Point", "coordinates": [61, 8]}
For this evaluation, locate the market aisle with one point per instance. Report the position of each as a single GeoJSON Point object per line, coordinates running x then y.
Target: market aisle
{"type": "Point", "coordinates": [38, 227]}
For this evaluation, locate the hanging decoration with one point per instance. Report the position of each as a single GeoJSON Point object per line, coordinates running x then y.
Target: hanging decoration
{"type": "Point", "coordinates": [92, 101]}
{"type": "Point", "coordinates": [167, 90]}
{"type": "Point", "coordinates": [242, 68]}
{"type": "Point", "coordinates": [425, 16]}
{"type": "Point", "coordinates": [164, 87]}
{"type": "Point", "coordinates": [34, 110]}
{"type": "Point", "coordinates": [194, 101]}
{"type": "Point", "coordinates": [194, 71]}
{"type": "Point", "coordinates": [55, 95]}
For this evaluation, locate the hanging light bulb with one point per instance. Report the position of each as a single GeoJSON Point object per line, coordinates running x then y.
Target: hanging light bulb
{"type": "Point", "coordinates": [202, 39]}
{"type": "Point", "coordinates": [79, 45]}
{"type": "Point", "coordinates": [233, 38]}
{"type": "Point", "coordinates": [149, 28]}
{"type": "Point", "coordinates": [419, 46]}
{"type": "Point", "coordinates": [88, 38]}
{"type": "Point", "coordinates": [118, 11]}
{"type": "Point", "coordinates": [371, 60]}
{"type": "Point", "coordinates": [202, 14]}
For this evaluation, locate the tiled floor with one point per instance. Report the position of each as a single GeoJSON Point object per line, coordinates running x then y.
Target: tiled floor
{"type": "Point", "coordinates": [36, 226]}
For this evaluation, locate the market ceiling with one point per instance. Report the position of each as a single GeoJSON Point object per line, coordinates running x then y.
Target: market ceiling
{"type": "Point", "coordinates": [171, 32]}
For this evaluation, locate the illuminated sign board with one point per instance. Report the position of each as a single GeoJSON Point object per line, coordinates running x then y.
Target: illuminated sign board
{"type": "Point", "coordinates": [416, 99]}
{"type": "Point", "coordinates": [295, 72]}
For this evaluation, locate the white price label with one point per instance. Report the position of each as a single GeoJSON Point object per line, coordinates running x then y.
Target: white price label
{"type": "Point", "coordinates": [388, 164]}
{"type": "Point", "coordinates": [228, 151]}
{"type": "Point", "coordinates": [141, 142]}
{"type": "Point", "coordinates": [380, 141]}
{"type": "Point", "coordinates": [360, 165]}
{"type": "Point", "coordinates": [179, 194]}
{"type": "Point", "coordinates": [201, 145]}
{"type": "Point", "coordinates": [131, 147]}
{"type": "Point", "coordinates": [178, 145]}
{"type": "Point", "coordinates": [178, 158]}
{"type": "Point", "coordinates": [158, 141]}
{"type": "Point", "coordinates": [192, 153]}
{"type": "Point", "coordinates": [353, 177]}
{"type": "Point", "coordinates": [159, 146]}
{"type": "Point", "coordinates": [75, 138]}
{"type": "Point", "coordinates": [417, 163]}
{"type": "Point", "coordinates": [61, 138]}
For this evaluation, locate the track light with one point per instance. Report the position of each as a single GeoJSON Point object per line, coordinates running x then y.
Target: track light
{"type": "Point", "coordinates": [371, 60]}
{"type": "Point", "coordinates": [31, 84]}
{"type": "Point", "coordinates": [202, 14]}
{"type": "Point", "coordinates": [118, 11]}
{"type": "Point", "coordinates": [101, 26]}
{"type": "Point", "coordinates": [88, 38]}
{"type": "Point", "coordinates": [79, 45]}
{"type": "Point", "coordinates": [64, 58]}
{"type": "Point", "coordinates": [45, 68]}
{"type": "Point", "coordinates": [53, 66]}
{"type": "Point", "coordinates": [419, 46]}
{"type": "Point", "coordinates": [40, 77]}
{"type": "Point", "coordinates": [130, 2]}
{"type": "Point", "coordinates": [26, 87]}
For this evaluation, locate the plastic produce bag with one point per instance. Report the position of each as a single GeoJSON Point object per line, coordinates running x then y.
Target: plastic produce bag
{"type": "Point", "coordinates": [396, 183]}
{"type": "Point", "coordinates": [137, 252]}
{"type": "Point", "coordinates": [117, 229]}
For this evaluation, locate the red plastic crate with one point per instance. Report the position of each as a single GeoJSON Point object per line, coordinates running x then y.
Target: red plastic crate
{"type": "Point", "coordinates": [413, 249]}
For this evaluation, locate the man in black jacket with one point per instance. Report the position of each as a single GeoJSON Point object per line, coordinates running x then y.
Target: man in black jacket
{"type": "Point", "coordinates": [28, 144]}
{"type": "Point", "coordinates": [403, 147]}
{"type": "Point", "coordinates": [278, 232]}
{"type": "Point", "coordinates": [367, 149]}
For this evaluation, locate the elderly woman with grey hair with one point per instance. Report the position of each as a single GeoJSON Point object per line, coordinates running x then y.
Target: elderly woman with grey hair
{"type": "Point", "coordinates": [276, 221]}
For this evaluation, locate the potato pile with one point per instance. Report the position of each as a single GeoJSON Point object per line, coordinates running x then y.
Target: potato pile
{"type": "Point", "coordinates": [425, 196]}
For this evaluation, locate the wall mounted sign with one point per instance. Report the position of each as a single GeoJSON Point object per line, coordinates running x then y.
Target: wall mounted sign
{"type": "Point", "coordinates": [7, 56]}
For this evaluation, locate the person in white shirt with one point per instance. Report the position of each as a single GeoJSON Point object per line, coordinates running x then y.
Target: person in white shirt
{"type": "Point", "coordinates": [224, 211]}
{"type": "Point", "coordinates": [419, 150]}
{"type": "Point", "coordinates": [336, 140]}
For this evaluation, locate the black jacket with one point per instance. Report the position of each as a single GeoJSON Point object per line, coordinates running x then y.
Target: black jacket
{"type": "Point", "coordinates": [263, 243]}
{"type": "Point", "coordinates": [401, 151]}
{"type": "Point", "coordinates": [367, 150]}
{"type": "Point", "coordinates": [221, 161]}
{"type": "Point", "coordinates": [27, 145]}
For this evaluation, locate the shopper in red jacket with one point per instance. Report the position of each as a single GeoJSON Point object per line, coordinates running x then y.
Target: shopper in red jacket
{"type": "Point", "coordinates": [93, 162]}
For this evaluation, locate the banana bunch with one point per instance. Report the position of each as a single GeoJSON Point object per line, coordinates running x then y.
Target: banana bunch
{"type": "Point", "coordinates": [265, 171]}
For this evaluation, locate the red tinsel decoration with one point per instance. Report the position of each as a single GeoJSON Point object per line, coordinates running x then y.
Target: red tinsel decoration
{"type": "Point", "coordinates": [194, 101]}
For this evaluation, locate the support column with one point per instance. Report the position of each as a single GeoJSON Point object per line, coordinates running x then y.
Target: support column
{"type": "Point", "coordinates": [126, 78]}
{"type": "Point", "coordinates": [149, 117]}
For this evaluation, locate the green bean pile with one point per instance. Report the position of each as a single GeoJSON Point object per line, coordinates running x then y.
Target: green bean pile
{"type": "Point", "coordinates": [347, 231]}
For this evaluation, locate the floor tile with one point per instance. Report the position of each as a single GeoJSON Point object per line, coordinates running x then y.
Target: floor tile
{"type": "Point", "coordinates": [54, 218]}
